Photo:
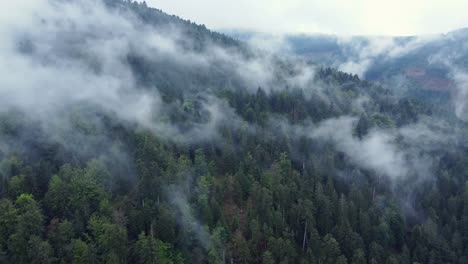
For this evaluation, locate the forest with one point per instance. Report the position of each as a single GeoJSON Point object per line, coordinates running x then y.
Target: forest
{"type": "Point", "coordinates": [128, 135]}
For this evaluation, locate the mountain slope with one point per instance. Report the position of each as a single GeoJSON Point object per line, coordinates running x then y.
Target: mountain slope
{"type": "Point", "coordinates": [425, 67]}
{"type": "Point", "coordinates": [138, 137]}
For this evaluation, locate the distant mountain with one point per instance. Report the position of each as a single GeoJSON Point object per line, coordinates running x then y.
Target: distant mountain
{"type": "Point", "coordinates": [419, 66]}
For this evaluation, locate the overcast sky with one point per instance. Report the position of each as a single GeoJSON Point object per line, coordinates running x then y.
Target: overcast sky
{"type": "Point", "coordinates": [344, 17]}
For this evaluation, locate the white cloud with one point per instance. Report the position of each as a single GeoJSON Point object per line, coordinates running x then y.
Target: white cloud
{"type": "Point", "coordinates": [376, 151]}
{"type": "Point", "coordinates": [362, 54]}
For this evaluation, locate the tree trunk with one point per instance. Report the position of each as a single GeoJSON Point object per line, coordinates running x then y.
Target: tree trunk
{"type": "Point", "coordinates": [305, 237]}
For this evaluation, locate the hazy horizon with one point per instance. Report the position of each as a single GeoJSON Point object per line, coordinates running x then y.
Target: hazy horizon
{"type": "Point", "coordinates": [362, 17]}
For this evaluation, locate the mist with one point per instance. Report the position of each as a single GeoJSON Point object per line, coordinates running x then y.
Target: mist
{"type": "Point", "coordinates": [90, 78]}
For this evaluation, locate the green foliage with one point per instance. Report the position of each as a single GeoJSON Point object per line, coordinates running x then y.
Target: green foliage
{"type": "Point", "coordinates": [150, 250]}
{"type": "Point", "coordinates": [110, 240]}
{"type": "Point", "coordinates": [253, 193]}
{"type": "Point", "coordinates": [8, 218]}
{"type": "Point", "coordinates": [82, 252]}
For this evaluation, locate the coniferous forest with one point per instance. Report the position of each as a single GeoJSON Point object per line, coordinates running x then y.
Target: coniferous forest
{"type": "Point", "coordinates": [131, 136]}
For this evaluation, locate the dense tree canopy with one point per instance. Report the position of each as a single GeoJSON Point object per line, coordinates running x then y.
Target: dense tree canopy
{"type": "Point", "coordinates": [255, 189]}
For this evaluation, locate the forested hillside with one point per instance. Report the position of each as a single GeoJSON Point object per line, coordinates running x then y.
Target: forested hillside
{"type": "Point", "coordinates": [427, 67]}
{"type": "Point", "coordinates": [131, 136]}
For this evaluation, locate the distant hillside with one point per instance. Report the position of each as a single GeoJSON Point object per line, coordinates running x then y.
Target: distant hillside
{"type": "Point", "coordinates": [131, 136]}
{"type": "Point", "coordinates": [422, 67]}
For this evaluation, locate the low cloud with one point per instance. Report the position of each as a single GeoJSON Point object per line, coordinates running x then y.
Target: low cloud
{"type": "Point", "coordinates": [398, 154]}
{"type": "Point", "coordinates": [362, 53]}
{"type": "Point", "coordinates": [178, 199]}
{"type": "Point", "coordinates": [57, 54]}
{"type": "Point", "coordinates": [375, 152]}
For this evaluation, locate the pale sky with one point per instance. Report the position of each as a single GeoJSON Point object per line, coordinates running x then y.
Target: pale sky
{"type": "Point", "coordinates": [343, 17]}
